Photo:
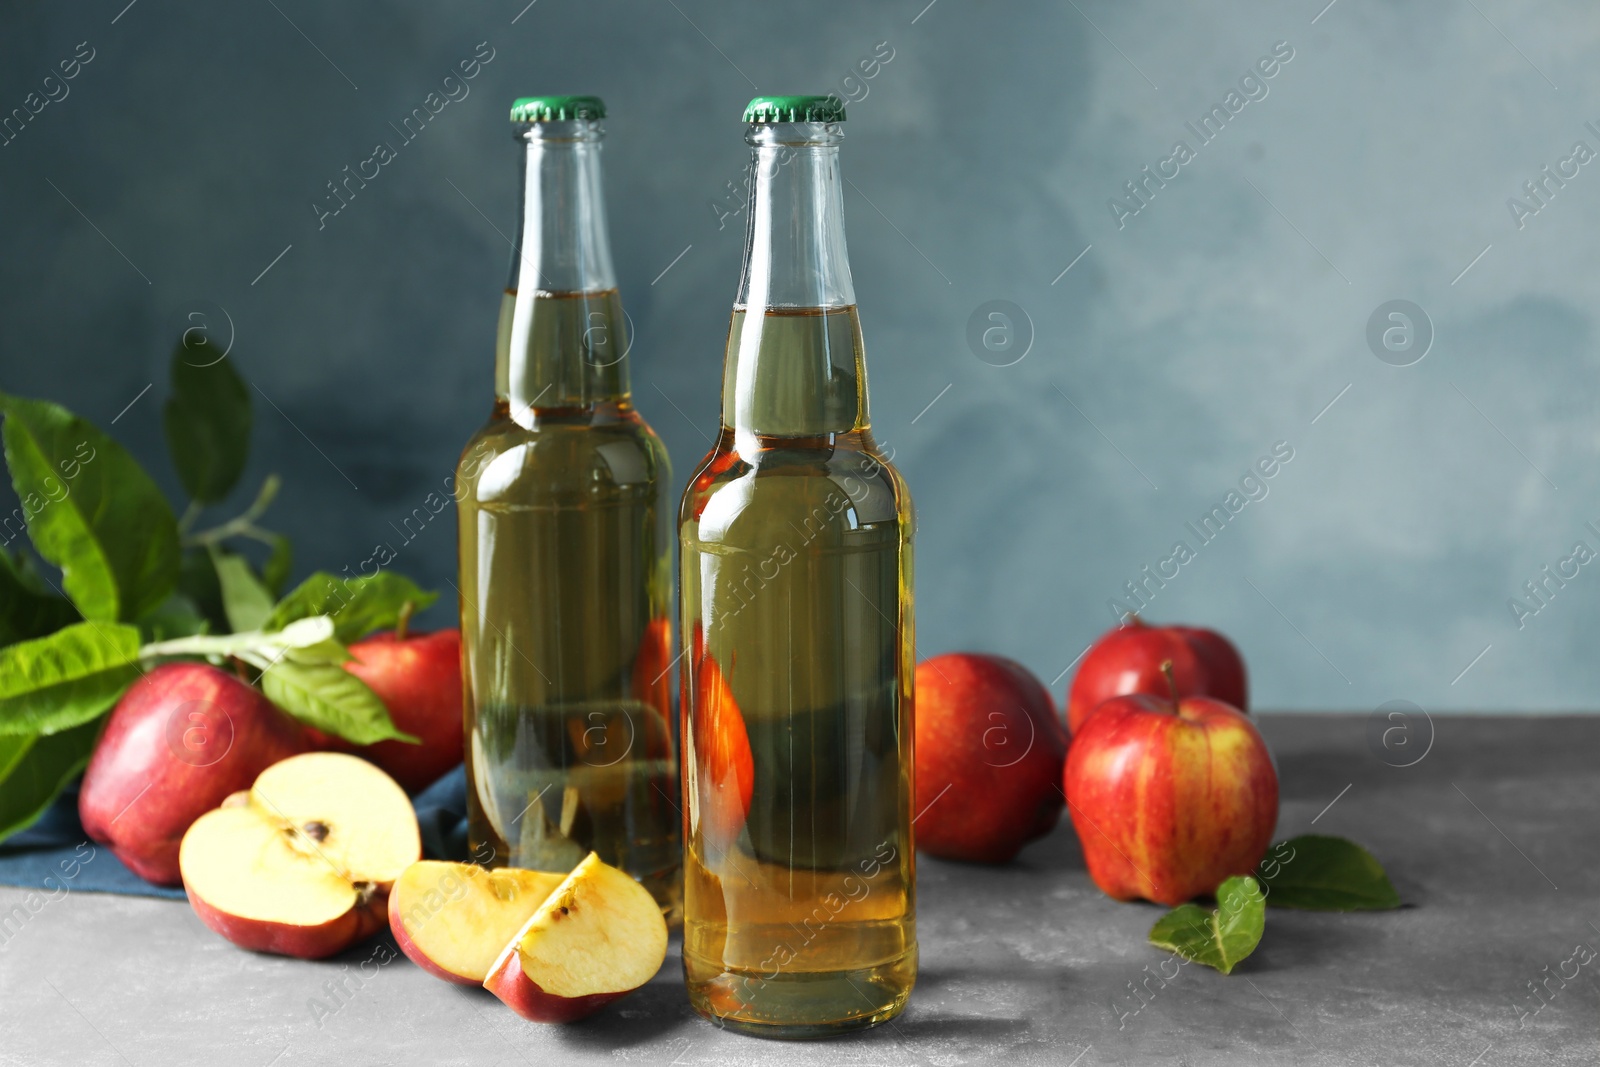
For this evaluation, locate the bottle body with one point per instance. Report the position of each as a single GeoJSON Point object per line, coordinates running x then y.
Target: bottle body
{"type": "Point", "coordinates": [796, 690]}
{"type": "Point", "coordinates": [566, 567]}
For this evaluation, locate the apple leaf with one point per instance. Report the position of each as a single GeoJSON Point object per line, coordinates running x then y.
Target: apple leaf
{"type": "Point", "coordinates": [275, 572]}
{"type": "Point", "coordinates": [330, 698]}
{"type": "Point", "coordinates": [54, 683]}
{"type": "Point", "coordinates": [34, 768]}
{"type": "Point", "coordinates": [1317, 873]}
{"type": "Point", "coordinates": [244, 599]}
{"type": "Point", "coordinates": [207, 419]}
{"type": "Point", "coordinates": [1218, 938]}
{"type": "Point", "coordinates": [176, 617]}
{"type": "Point", "coordinates": [26, 610]}
{"type": "Point", "coordinates": [197, 580]}
{"type": "Point", "coordinates": [91, 510]}
{"type": "Point", "coordinates": [357, 606]}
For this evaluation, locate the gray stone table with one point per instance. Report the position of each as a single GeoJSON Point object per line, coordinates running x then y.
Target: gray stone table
{"type": "Point", "coordinates": [1492, 839]}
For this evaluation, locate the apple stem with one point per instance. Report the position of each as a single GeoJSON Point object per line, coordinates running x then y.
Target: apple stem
{"type": "Point", "coordinates": [404, 621]}
{"type": "Point", "coordinates": [1172, 683]}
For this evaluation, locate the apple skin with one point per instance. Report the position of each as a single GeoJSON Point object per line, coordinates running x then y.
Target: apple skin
{"type": "Point", "coordinates": [1128, 660]}
{"type": "Point", "coordinates": [414, 952]}
{"type": "Point", "coordinates": [1170, 798]}
{"type": "Point", "coordinates": [150, 776]}
{"type": "Point", "coordinates": [418, 678]}
{"type": "Point", "coordinates": [989, 753]}
{"type": "Point", "coordinates": [522, 994]}
{"type": "Point", "coordinates": [301, 942]}
{"type": "Point", "coordinates": [718, 764]}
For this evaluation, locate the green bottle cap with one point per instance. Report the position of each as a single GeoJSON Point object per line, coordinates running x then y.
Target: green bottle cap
{"type": "Point", "coordinates": [795, 109]}
{"type": "Point", "coordinates": [557, 108]}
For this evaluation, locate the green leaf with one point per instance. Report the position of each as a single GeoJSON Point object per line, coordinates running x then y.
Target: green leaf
{"type": "Point", "coordinates": [197, 580]}
{"type": "Point", "coordinates": [244, 598]}
{"type": "Point", "coordinates": [36, 769]}
{"type": "Point", "coordinates": [207, 419]}
{"type": "Point", "coordinates": [1219, 937]}
{"type": "Point", "coordinates": [330, 698]}
{"type": "Point", "coordinates": [91, 510]}
{"type": "Point", "coordinates": [55, 683]}
{"type": "Point", "coordinates": [357, 606]}
{"type": "Point", "coordinates": [275, 572]}
{"type": "Point", "coordinates": [176, 617]}
{"type": "Point", "coordinates": [26, 611]}
{"type": "Point", "coordinates": [1317, 873]}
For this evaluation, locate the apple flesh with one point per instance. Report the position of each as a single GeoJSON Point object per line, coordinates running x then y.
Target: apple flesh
{"type": "Point", "coordinates": [989, 754]}
{"type": "Point", "coordinates": [181, 739]}
{"type": "Point", "coordinates": [599, 936]}
{"type": "Point", "coordinates": [1128, 660]}
{"type": "Point", "coordinates": [1170, 796]}
{"type": "Point", "coordinates": [454, 919]}
{"type": "Point", "coordinates": [302, 864]}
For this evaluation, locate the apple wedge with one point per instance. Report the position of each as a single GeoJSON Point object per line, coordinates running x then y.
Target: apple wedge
{"type": "Point", "coordinates": [301, 865]}
{"type": "Point", "coordinates": [599, 936]}
{"type": "Point", "coordinates": [453, 919]}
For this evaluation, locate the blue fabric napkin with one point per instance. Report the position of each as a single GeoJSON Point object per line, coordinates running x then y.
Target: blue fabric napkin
{"type": "Point", "coordinates": [55, 854]}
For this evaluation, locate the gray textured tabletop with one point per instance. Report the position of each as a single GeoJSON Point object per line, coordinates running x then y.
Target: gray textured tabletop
{"type": "Point", "coordinates": [1491, 838]}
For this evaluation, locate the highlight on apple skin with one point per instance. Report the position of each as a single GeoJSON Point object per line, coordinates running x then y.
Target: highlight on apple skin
{"type": "Point", "coordinates": [1128, 660]}
{"type": "Point", "coordinates": [454, 919]}
{"type": "Point", "coordinates": [989, 753]}
{"type": "Point", "coordinates": [1170, 798]}
{"type": "Point", "coordinates": [302, 864]}
{"type": "Point", "coordinates": [598, 937]}
{"type": "Point", "coordinates": [181, 739]}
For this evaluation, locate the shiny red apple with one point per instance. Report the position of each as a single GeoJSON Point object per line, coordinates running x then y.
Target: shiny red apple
{"type": "Point", "coordinates": [718, 765]}
{"type": "Point", "coordinates": [182, 739]}
{"type": "Point", "coordinates": [1170, 795]}
{"type": "Point", "coordinates": [1128, 660]}
{"type": "Point", "coordinates": [418, 677]}
{"type": "Point", "coordinates": [989, 753]}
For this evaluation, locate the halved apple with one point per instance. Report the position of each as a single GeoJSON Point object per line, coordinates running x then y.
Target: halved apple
{"type": "Point", "coordinates": [303, 865]}
{"type": "Point", "coordinates": [598, 937]}
{"type": "Point", "coordinates": [453, 919]}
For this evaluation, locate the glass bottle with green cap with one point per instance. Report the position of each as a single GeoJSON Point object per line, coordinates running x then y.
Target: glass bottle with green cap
{"type": "Point", "coordinates": [796, 621]}
{"type": "Point", "coordinates": [565, 557]}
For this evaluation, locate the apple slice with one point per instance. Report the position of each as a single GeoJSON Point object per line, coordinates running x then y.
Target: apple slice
{"type": "Point", "coordinates": [301, 865]}
{"type": "Point", "coordinates": [598, 937]}
{"type": "Point", "coordinates": [453, 919]}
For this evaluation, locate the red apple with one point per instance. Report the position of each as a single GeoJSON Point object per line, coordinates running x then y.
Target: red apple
{"type": "Point", "coordinates": [718, 766]}
{"type": "Point", "coordinates": [1170, 795]}
{"type": "Point", "coordinates": [302, 864]}
{"type": "Point", "coordinates": [1128, 660]}
{"type": "Point", "coordinates": [418, 677]}
{"type": "Point", "coordinates": [182, 739]}
{"type": "Point", "coordinates": [653, 688]}
{"type": "Point", "coordinates": [989, 752]}
{"type": "Point", "coordinates": [597, 937]}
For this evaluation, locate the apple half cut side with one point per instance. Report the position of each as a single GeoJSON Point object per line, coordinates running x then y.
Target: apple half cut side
{"type": "Point", "coordinates": [598, 937]}
{"type": "Point", "coordinates": [301, 865]}
{"type": "Point", "coordinates": [453, 919]}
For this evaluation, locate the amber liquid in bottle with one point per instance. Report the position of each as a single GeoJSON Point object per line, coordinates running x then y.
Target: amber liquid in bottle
{"type": "Point", "coordinates": [566, 571]}
{"type": "Point", "coordinates": [796, 615]}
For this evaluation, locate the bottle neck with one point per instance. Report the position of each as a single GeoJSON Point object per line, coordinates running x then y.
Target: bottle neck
{"type": "Point", "coordinates": [795, 366]}
{"type": "Point", "coordinates": [563, 338]}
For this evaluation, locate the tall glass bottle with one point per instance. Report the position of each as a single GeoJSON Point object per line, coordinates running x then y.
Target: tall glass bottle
{"type": "Point", "coordinates": [565, 550]}
{"type": "Point", "coordinates": [795, 605]}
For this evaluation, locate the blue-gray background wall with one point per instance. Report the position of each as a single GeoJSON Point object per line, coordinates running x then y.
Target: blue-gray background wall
{"type": "Point", "coordinates": [1185, 342]}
